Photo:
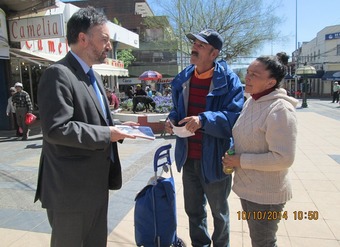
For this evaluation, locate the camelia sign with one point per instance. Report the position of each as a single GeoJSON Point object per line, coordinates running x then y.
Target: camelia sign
{"type": "Point", "coordinates": [43, 27]}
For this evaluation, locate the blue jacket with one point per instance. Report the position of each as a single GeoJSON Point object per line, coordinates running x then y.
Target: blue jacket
{"type": "Point", "coordinates": [223, 105]}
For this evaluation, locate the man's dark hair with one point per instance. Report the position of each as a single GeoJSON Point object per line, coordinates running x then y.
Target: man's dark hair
{"type": "Point", "coordinates": [82, 21]}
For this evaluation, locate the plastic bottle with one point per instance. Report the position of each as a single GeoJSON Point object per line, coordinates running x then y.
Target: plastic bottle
{"type": "Point", "coordinates": [228, 169]}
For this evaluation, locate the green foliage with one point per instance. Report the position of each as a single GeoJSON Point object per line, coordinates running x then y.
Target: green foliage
{"type": "Point", "coordinates": [126, 56]}
{"type": "Point", "coordinates": [115, 21]}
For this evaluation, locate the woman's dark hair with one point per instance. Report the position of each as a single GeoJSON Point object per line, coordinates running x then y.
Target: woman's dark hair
{"type": "Point", "coordinates": [82, 21]}
{"type": "Point", "coordinates": [276, 65]}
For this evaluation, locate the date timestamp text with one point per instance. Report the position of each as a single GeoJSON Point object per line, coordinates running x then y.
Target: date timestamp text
{"type": "Point", "coordinates": [277, 215]}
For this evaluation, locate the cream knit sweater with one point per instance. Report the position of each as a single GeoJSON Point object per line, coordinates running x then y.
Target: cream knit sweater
{"type": "Point", "coordinates": [265, 136]}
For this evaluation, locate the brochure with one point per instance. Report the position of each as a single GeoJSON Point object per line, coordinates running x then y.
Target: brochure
{"type": "Point", "coordinates": [138, 131]}
{"type": "Point", "coordinates": [181, 131]}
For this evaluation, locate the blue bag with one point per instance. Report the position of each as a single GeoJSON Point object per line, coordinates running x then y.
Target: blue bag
{"type": "Point", "coordinates": [155, 208]}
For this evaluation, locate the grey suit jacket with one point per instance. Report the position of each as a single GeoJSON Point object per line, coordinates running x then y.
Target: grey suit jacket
{"type": "Point", "coordinates": [75, 159]}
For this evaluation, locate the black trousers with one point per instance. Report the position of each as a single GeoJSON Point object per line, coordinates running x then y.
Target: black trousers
{"type": "Point", "coordinates": [78, 229]}
{"type": "Point", "coordinates": [335, 97]}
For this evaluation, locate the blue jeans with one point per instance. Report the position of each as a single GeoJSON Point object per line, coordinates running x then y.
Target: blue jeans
{"type": "Point", "coordinates": [196, 195]}
{"type": "Point", "coordinates": [262, 231]}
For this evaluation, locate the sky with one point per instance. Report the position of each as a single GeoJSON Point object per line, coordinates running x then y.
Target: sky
{"type": "Point", "coordinates": [312, 17]}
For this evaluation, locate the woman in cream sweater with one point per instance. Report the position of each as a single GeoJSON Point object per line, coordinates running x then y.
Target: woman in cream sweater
{"type": "Point", "coordinates": [265, 142]}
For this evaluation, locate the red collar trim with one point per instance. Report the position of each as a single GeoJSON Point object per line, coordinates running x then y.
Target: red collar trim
{"type": "Point", "coordinates": [256, 96]}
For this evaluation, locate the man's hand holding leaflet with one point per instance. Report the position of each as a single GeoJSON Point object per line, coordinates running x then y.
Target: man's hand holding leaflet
{"type": "Point", "coordinates": [181, 131]}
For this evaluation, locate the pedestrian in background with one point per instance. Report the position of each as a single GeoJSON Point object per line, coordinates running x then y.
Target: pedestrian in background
{"type": "Point", "coordinates": [149, 92]}
{"type": "Point", "coordinates": [336, 89]}
{"type": "Point", "coordinates": [79, 159]}
{"type": "Point", "coordinates": [10, 112]}
{"type": "Point", "coordinates": [140, 91]}
{"type": "Point", "coordinates": [23, 105]}
{"type": "Point", "coordinates": [265, 143]}
{"type": "Point", "coordinates": [207, 99]}
{"type": "Point", "coordinates": [112, 98]}
{"type": "Point", "coordinates": [130, 92]}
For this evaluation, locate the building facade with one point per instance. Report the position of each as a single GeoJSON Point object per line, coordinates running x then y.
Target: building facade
{"type": "Point", "coordinates": [323, 53]}
{"type": "Point", "coordinates": [32, 48]}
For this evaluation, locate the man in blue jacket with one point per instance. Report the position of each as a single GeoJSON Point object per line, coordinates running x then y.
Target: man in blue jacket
{"type": "Point", "coordinates": [207, 99]}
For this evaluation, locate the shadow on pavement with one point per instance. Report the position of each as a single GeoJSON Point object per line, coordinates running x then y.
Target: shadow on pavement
{"type": "Point", "coordinates": [33, 146]}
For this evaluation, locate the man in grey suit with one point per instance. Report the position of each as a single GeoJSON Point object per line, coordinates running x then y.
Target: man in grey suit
{"type": "Point", "coordinates": [79, 160]}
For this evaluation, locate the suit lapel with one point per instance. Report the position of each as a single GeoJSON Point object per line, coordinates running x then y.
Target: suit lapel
{"type": "Point", "coordinates": [88, 85]}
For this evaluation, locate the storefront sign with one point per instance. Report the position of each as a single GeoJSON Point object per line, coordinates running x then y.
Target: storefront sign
{"type": "Point", "coordinates": [331, 36]}
{"type": "Point", "coordinates": [165, 80]}
{"type": "Point", "coordinates": [133, 81]}
{"type": "Point", "coordinates": [44, 27]}
{"type": "Point", "coordinates": [4, 47]}
{"type": "Point", "coordinates": [128, 81]}
{"type": "Point", "coordinates": [46, 46]}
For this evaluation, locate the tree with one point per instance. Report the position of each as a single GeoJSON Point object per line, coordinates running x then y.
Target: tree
{"type": "Point", "coordinates": [126, 56]}
{"type": "Point", "coordinates": [244, 24]}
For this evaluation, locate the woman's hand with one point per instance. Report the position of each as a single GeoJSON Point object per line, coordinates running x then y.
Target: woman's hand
{"type": "Point", "coordinates": [231, 160]}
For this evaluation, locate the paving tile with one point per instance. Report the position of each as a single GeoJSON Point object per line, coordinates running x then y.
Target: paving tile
{"type": "Point", "coordinates": [31, 239]}
{"type": "Point", "coordinates": [9, 236]}
{"type": "Point", "coordinates": [313, 242]}
{"type": "Point", "coordinates": [311, 175]}
{"type": "Point", "coordinates": [321, 185]}
{"type": "Point", "coordinates": [309, 229]}
{"type": "Point", "coordinates": [334, 225]}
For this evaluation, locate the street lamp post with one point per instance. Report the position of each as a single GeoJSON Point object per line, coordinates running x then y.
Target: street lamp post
{"type": "Point", "coordinates": [304, 71]}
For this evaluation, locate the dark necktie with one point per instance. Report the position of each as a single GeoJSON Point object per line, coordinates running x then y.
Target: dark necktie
{"type": "Point", "coordinates": [100, 98]}
{"type": "Point", "coordinates": [96, 89]}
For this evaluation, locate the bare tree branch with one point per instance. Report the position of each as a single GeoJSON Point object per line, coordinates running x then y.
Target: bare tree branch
{"type": "Point", "coordinates": [245, 25]}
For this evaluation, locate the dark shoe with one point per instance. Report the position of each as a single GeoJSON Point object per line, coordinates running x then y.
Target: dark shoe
{"type": "Point", "coordinates": [179, 243]}
{"type": "Point", "coordinates": [24, 138]}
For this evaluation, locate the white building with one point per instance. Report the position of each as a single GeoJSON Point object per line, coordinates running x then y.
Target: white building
{"type": "Point", "coordinates": [323, 53]}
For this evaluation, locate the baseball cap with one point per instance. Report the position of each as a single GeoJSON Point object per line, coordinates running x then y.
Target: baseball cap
{"type": "Point", "coordinates": [18, 84]}
{"type": "Point", "coordinates": [208, 36]}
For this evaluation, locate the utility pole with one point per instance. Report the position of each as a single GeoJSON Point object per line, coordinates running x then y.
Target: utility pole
{"type": "Point", "coordinates": [180, 32]}
{"type": "Point", "coordinates": [296, 47]}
